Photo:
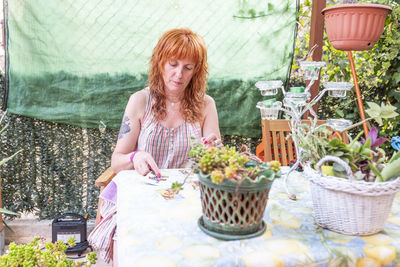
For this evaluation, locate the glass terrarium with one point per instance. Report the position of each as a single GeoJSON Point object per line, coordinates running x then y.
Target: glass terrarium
{"type": "Point", "coordinates": [268, 88]}
{"type": "Point", "coordinates": [269, 109]}
{"type": "Point", "coordinates": [338, 89]}
{"type": "Point", "coordinates": [311, 69]}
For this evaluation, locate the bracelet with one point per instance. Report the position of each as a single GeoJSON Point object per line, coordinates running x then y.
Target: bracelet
{"type": "Point", "coordinates": [133, 155]}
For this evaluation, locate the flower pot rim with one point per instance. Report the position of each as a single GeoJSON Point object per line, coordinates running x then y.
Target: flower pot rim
{"type": "Point", "coordinates": [345, 6]}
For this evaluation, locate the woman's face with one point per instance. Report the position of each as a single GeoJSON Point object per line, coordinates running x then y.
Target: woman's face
{"type": "Point", "coordinates": [177, 74]}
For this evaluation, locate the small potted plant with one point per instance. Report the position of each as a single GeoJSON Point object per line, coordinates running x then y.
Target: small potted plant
{"type": "Point", "coordinates": [234, 189]}
{"type": "Point", "coordinates": [352, 184]}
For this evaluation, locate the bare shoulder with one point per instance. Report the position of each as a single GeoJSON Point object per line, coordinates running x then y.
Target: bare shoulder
{"type": "Point", "coordinates": [209, 100]}
{"type": "Point", "coordinates": [209, 106]}
{"type": "Point", "coordinates": [137, 102]}
{"type": "Point", "coordinates": [139, 97]}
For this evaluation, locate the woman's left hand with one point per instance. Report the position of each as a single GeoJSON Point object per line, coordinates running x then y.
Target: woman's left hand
{"type": "Point", "coordinates": [211, 140]}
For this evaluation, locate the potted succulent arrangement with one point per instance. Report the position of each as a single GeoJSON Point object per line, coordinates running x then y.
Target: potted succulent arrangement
{"type": "Point", "coordinates": [234, 187]}
{"type": "Point", "coordinates": [352, 184]}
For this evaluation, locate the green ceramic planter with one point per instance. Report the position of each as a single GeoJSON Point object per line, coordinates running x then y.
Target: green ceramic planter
{"type": "Point", "coordinates": [232, 210]}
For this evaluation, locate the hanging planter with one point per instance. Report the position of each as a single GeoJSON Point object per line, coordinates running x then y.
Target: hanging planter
{"type": "Point", "coordinates": [355, 27]}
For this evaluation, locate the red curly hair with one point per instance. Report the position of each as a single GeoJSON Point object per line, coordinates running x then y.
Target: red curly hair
{"type": "Point", "coordinates": [179, 44]}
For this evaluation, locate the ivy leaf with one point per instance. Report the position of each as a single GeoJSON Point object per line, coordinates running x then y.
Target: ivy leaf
{"type": "Point", "coordinates": [381, 112]}
{"type": "Point", "coordinates": [374, 109]}
{"type": "Point", "coordinates": [340, 113]}
{"type": "Point", "coordinates": [388, 112]}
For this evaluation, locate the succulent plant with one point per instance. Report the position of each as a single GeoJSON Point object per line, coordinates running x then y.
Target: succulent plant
{"type": "Point", "coordinates": [228, 163]}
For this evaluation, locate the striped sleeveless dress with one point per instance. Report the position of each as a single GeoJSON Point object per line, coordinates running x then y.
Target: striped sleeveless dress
{"type": "Point", "coordinates": [169, 146]}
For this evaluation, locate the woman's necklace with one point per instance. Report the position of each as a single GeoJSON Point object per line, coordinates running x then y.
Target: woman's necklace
{"type": "Point", "coordinates": [174, 102]}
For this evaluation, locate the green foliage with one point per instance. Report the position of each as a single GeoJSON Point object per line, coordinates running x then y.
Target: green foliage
{"type": "Point", "coordinates": [366, 159]}
{"type": "Point", "coordinates": [176, 187]}
{"type": "Point", "coordinates": [378, 69]}
{"type": "Point", "coordinates": [381, 112]}
{"type": "Point", "coordinates": [35, 254]}
{"type": "Point", "coordinates": [253, 9]}
{"type": "Point", "coordinates": [3, 161]}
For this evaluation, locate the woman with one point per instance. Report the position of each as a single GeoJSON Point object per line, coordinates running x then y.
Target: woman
{"type": "Point", "coordinates": [160, 120]}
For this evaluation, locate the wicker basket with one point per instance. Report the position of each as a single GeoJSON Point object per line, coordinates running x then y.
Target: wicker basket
{"type": "Point", "coordinates": [232, 210]}
{"type": "Point", "coordinates": [347, 206]}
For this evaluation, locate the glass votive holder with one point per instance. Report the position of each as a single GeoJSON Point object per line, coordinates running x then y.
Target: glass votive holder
{"type": "Point", "coordinates": [269, 109]}
{"type": "Point", "coordinates": [338, 89]}
{"type": "Point", "coordinates": [296, 97]}
{"type": "Point", "coordinates": [311, 69]}
{"type": "Point", "coordinates": [338, 124]}
{"type": "Point", "coordinates": [268, 88]}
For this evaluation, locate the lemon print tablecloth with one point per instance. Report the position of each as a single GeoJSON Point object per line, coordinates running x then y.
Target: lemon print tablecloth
{"type": "Point", "coordinates": [157, 229]}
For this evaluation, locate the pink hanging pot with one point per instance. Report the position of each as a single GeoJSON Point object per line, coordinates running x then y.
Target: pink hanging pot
{"type": "Point", "coordinates": [355, 27]}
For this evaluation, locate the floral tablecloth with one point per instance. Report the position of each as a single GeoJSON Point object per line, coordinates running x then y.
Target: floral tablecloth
{"type": "Point", "coordinates": [156, 230]}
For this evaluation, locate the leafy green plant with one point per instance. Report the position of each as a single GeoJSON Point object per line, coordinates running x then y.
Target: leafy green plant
{"type": "Point", "coordinates": [227, 163]}
{"type": "Point", "coordinates": [367, 161]}
{"type": "Point", "coordinates": [3, 161]}
{"type": "Point", "coordinates": [37, 253]}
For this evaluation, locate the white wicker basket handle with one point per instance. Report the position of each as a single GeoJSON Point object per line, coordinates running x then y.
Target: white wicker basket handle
{"type": "Point", "coordinates": [338, 161]}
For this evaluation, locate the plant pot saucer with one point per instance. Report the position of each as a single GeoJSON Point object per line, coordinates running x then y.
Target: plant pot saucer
{"type": "Point", "coordinates": [227, 237]}
{"type": "Point", "coordinates": [355, 27]}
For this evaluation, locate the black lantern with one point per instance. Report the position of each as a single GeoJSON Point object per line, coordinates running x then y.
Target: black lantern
{"type": "Point", "coordinates": [70, 225]}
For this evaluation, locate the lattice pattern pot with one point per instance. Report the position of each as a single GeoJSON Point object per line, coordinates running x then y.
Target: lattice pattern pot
{"type": "Point", "coordinates": [231, 210]}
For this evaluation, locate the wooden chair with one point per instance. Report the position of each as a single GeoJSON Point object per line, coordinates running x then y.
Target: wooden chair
{"type": "Point", "coordinates": [276, 146]}
{"type": "Point", "coordinates": [102, 181]}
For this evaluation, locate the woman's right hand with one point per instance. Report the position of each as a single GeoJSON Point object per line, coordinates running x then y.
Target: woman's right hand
{"type": "Point", "coordinates": [143, 163]}
{"type": "Point", "coordinates": [212, 140]}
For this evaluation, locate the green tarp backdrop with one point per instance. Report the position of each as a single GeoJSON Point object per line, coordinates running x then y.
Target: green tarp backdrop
{"type": "Point", "coordinates": [77, 61]}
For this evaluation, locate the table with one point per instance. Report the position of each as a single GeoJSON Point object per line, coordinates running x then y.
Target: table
{"type": "Point", "coordinates": [154, 231]}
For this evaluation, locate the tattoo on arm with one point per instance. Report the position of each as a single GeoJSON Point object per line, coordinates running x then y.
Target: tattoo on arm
{"type": "Point", "coordinates": [125, 128]}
